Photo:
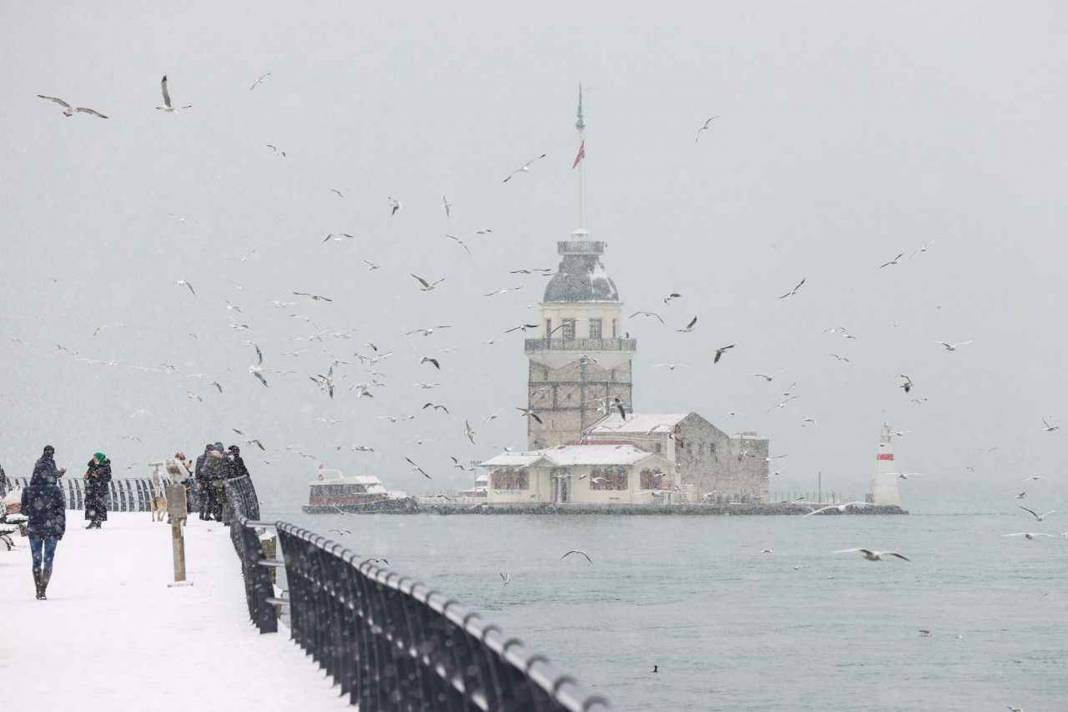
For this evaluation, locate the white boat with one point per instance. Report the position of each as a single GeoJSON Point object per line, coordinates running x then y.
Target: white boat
{"type": "Point", "coordinates": [334, 491]}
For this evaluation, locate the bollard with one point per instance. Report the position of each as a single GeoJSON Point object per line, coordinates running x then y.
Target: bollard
{"type": "Point", "coordinates": [177, 513]}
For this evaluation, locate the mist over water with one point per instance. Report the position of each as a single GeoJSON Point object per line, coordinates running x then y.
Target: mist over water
{"type": "Point", "coordinates": [733, 628]}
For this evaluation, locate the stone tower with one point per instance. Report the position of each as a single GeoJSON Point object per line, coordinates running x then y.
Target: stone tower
{"type": "Point", "coordinates": [581, 362]}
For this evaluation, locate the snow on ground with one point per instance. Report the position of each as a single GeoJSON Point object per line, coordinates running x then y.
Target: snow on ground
{"type": "Point", "coordinates": [113, 636]}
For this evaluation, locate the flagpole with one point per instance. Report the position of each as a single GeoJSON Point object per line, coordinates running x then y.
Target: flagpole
{"type": "Point", "coordinates": [580, 124]}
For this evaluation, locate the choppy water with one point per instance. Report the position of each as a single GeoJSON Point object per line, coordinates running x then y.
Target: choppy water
{"type": "Point", "coordinates": [732, 628]}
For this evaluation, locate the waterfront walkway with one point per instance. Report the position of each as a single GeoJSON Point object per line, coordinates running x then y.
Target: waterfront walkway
{"type": "Point", "coordinates": [113, 635]}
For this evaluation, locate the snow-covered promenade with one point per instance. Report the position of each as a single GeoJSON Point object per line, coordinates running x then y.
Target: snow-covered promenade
{"type": "Point", "coordinates": [113, 636]}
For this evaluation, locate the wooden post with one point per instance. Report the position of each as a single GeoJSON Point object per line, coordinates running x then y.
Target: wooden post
{"type": "Point", "coordinates": [177, 512]}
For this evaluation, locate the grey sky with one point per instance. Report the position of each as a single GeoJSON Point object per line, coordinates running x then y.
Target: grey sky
{"type": "Point", "coordinates": [847, 134]}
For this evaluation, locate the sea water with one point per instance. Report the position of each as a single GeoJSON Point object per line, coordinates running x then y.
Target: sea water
{"type": "Point", "coordinates": [732, 628]}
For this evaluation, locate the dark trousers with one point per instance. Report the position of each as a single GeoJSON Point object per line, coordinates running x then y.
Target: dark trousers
{"type": "Point", "coordinates": [43, 550]}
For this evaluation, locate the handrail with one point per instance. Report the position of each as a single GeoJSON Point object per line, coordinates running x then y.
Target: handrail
{"type": "Point", "coordinates": [605, 344]}
{"type": "Point", "coordinates": [390, 642]}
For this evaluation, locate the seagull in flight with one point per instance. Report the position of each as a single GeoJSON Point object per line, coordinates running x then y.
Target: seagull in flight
{"type": "Point", "coordinates": [618, 405]}
{"type": "Point", "coordinates": [893, 261]}
{"type": "Point", "coordinates": [469, 432]}
{"type": "Point", "coordinates": [447, 205]}
{"type": "Point", "coordinates": [841, 358]}
{"type": "Point", "coordinates": [313, 297]}
{"type": "Point", "coordinates": [435, 406]}
{"type": "Point", "coordinates": [704, 127]}
{"type": "Point", "coordinates": [371, 266]}
{"type": "Point", "coordinates": [872, 555]}
{"type": "Point", "coordinates": [720, 351]}
{"type": "Point", "coordinates": [793, 291]}
{"type": "Point", "coordinates": [337, 236]}
{"type": "Point", "coordinates": [1038, 517]}
{"type": "Point", "coordinates": [256, 369]}
{"type": "Point", "coordinates": [529, 413]}
{"type": "Point", "coordinates": [459, 242]}
{"type": "Point", "coordinates": [275, 149]}
{"type": "Point", "coordinates": [167, 106]}
{"type": "Point", "coordinates": [580, 553]}
{"type": "Point", "coordinates": [953, 347]}
{"type": "Point", "coordinates": [416, 468]}
{"type": "Point", "coordinates": [69, 110]}
{"type": "Point", "coordinates": [1030, 536]}
{"type": "Point", "coordinates": [906, 384]}
{"type": "Point", "coordinates": [1049, 428]}
{"type": "Point", "coordinates": [259, 81]}
{"type": "Point", "coordinates": [425, 285]}
{"type": "Point", "coordinates": [432, 361]}
{"type": "Point", "coordinates": [840, 507]}
{"type": "Point", "coordinates": [522, 327]}
{"type": "Point", "coordinates": [183, 283]}
{"type": "Point", "coordinates": [673, 295]}
{"type": "Point", "coordinates": [689, 327]}
{"type": "Point", "coordinates": [394, 205]}
{"type": "Point", "coordinates": [525, 168]}
{"type": "Point", "coordinates": [766, 377]}
{"type": "Point", "coordinates": [427, 331]}
{"type": "Point", "coordinates": [339, 532]}
{"type": "Point", "coordinates": [647, 313]}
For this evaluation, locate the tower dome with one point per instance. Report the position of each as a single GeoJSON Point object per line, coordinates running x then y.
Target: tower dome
{"type": "Point", "coordinates": [581, 277]}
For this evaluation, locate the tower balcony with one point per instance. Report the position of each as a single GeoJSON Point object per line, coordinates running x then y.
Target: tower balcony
{"type": "Point", "coordinates": [542, 345]}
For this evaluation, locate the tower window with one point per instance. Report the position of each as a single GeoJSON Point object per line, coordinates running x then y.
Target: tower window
{"type": "Point", "coordinates": [595, 328]}
{"type": "Point", "coordinates": [548, 328]}
{"type": "Point", "coordinates": [568, 330]}
{"type": "Point", "coordinates": [613, 328]}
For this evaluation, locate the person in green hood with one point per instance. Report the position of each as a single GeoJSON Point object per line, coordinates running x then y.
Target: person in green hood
{"type": "Point", "coordinates": [97, 482]}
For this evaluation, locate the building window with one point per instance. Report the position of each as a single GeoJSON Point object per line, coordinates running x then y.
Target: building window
{"type": "Point", "coordinates": [650, 479]}
{"type": "Point", "coordinates": [595, 328]}
{"type": "Point", "coordinates": [508, 479]}
{"type": "Point", "coordinates": [569, 329]}
{"type": "Point", "coordinates": [613, 328]}
{"type": "Point", "coordinates": [659, 448]}
{"type": "Point", "coordinates": [608, 478]}
{"type": "Point", "coordinates": [548, 328]}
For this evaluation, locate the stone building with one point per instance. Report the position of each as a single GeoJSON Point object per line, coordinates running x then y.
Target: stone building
{"type": "Point", "coordinates": [712, 466]}
{"type": "Point", "coordinates": [607, 474]}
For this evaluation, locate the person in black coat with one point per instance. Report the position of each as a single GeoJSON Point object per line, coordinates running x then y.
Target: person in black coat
{"type": "Point", "coordinates": [215, 471]}
{"type": "Point", "coordinates": [201, 478]}
{"type": "Point", "coordinates": [237, 464]}
{"type": "Point", "coordinates": [42, 503]}
{"type": "Point", "coordinates": [97, 480]}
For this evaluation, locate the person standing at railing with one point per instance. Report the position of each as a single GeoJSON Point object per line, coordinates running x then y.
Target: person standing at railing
{"type": "Point", "coordinates": [97, 481]}
{"type": "Point", "coordinates": [237, 463]}
{"type": "Point", "coordinates": [200, 476]}
{"type": "Point", "coordinates": [215, 469]}
{"type": "Point", "coordinates": [42, 503]}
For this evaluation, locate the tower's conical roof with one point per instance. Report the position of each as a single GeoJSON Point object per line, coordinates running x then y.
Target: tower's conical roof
{"type": "Point", "coordinates": [581, 277]}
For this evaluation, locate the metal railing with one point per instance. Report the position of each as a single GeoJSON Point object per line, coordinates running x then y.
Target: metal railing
{"type": "Point", "coordinates": [241, 509]}
{"type": "Point", "coordinates": [389, 642]}
{"type": "Point", "coordinates": [580, 344]}
{"type": "Point", "coordinates": [133, 494]}
{"type": "Point", "coordinates": [392, 643]}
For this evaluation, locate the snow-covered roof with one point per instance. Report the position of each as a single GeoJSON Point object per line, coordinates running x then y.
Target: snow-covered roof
{"type": "Point", "coordinates": [581, 277]}
{"type": "Point", "coordinates": [336, 477]}
{"type": "Point", "coordinates": [637, 423]}
{"type": "Point", "coordinates": [595, 455]}
{"type": "Point", "coordinates": [567, 455]}
{"type": "Point", "coordinates": [513, 459]}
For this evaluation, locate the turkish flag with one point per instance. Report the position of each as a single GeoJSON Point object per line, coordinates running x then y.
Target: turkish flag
{"type": "Point", "coordinates": [580, 155]}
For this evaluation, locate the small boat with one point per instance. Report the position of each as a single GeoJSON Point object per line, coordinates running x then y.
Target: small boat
{"type": "Point", "coordinates": [333, 491]}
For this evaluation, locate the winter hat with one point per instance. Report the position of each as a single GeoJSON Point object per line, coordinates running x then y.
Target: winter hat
{"type": "Point", "coordinates": [99, 456]}
{"type": "Point", "coordinates": [48, 450]}
{"type": "Point", "coordinates": [234, 449]}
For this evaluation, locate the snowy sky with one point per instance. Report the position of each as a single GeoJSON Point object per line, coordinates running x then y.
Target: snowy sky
{"type": "Point", "coordinates": [845, 137]}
